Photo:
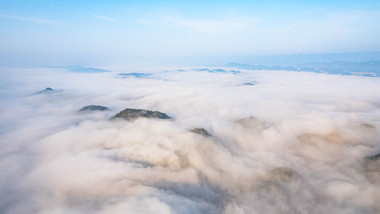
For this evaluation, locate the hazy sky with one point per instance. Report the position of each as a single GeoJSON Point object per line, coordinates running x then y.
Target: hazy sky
{"type": "Point", "coordinates": [104, 32]}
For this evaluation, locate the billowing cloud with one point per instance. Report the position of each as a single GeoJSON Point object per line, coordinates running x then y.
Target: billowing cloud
{"type": "Point", "coordinates": [293, 142]}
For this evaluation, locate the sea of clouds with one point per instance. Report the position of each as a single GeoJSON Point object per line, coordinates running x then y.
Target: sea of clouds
{"type": "Point", "coordinates": [282, 142]}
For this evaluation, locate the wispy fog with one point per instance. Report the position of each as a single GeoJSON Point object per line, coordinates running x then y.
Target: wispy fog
{"type": "Point", "coordinates": [279, 142]}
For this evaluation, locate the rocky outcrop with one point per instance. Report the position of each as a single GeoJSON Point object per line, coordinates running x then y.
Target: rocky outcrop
{"type": "Point", "coordinates": [47, 91]}
{"type": "Point", "coordinates": [252, 123]}
{"type": "Point", "coordinates": [133, 114]}
{"type": "Point", "coordinates": [282, 174]}
{"type": "Point", "coordinates": [93, 108]}
{"type": "Point", "coordinates": [374, 157]}
{"type": "Point", "coordinates": [201, 131]}
{"type": "Point", "coordinates": [249, 83]}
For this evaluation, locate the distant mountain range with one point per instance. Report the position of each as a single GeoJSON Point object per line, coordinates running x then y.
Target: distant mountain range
{"type": "Point", "coordinates": [134, 74]}
{"type": "Point", "coordinates": [368, 68]}
{"type": "Point", "coordinates": [218, 70]}
{"type": "Point", "coordinates": [80, 69]}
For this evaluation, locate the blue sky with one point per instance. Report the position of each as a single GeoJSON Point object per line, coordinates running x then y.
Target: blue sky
{"type": "Point", "coordinates": [106, 32]}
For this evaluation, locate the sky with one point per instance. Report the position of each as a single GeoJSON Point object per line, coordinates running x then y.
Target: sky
{"type": "Point", "coordinates": [106, 32]}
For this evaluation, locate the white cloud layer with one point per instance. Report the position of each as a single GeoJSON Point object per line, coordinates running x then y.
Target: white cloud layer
{"type": "Point", "coordinates": [292, 143]}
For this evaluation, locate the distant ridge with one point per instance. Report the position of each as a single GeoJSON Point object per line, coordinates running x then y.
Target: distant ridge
{"type": "Point", "coordinates": [368, 68]}
{"type": "Point", "coordinates": [81, 69]}
{"type": "Point", "coordinates": [137, 75]}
